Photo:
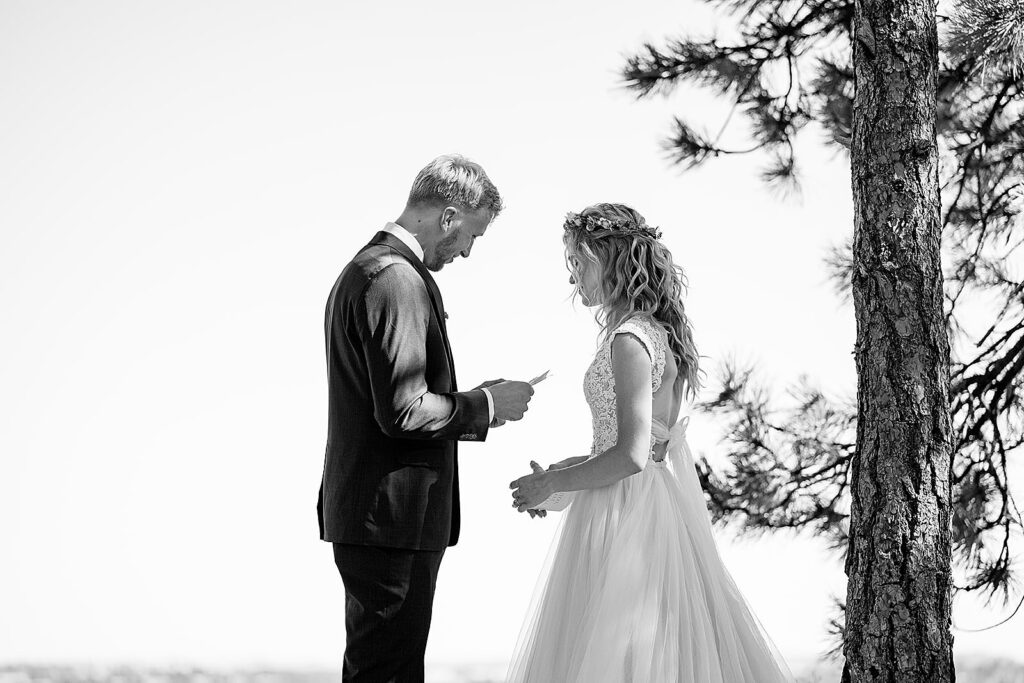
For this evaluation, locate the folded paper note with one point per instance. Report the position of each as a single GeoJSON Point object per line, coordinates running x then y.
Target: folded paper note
{"type": "Point", "coordinates": [540, 378]}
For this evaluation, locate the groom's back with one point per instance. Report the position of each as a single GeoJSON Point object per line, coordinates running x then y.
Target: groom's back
{"type": "Point", "coordinates": [379, 488]}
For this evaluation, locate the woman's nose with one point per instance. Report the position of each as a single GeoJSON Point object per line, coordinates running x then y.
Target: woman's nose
{"type": "Point", "coordinates": [572, 280]}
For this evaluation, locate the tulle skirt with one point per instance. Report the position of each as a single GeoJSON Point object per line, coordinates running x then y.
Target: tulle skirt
{"type": "Point", "coordinates": [634, 590]}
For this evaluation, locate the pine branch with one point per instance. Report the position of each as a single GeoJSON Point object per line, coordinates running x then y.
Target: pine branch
{"type": "Point", "coordinates": [991, 34]}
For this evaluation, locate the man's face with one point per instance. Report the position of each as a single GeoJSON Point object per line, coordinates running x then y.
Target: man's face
{"type": "Point", "coordinates": [462, 229]}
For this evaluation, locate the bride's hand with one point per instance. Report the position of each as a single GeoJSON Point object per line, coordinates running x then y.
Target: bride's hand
{"type": "Point", "coordinates": [531, 490]}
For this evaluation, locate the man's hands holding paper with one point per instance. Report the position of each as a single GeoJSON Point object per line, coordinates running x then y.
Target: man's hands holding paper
{"type": "Point", "coordinates": [511, 398]}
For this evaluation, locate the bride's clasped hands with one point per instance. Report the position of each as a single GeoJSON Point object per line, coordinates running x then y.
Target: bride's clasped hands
{"type": "Point", "coordinates": [530, 492]}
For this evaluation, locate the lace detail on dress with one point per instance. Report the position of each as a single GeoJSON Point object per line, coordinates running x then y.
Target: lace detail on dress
{"type": "Point", "coordinates": [599, 380]}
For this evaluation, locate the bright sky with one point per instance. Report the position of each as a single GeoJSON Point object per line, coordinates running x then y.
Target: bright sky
{"type": "Point", "coordinates": [180, 184]}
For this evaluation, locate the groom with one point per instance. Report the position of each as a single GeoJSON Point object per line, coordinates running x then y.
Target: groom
{"type": "Point", "coordinates": [389, 497]}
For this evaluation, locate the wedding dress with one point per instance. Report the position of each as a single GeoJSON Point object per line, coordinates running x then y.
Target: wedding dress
{"type": "Point", "coordinates": [633, 589]}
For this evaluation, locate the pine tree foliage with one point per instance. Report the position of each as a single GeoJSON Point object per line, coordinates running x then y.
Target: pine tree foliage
{"type": "Point", "coordinates": [787, 471]}
{"type": "Point", "coordinates": [792, 66]}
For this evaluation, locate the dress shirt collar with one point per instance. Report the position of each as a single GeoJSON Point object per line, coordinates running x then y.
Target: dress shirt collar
{"type": "Point", "coordinates": [407, 238]}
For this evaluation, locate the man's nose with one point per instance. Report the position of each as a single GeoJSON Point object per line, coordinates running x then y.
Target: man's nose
{"type": "Point", "coordinates": [572, 280]}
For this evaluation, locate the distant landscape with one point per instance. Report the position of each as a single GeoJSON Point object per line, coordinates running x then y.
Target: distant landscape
{"type": "Point", "coordinates": [968, 671]}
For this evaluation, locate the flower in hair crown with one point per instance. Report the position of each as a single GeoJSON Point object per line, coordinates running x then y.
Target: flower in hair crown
{"type": "Point", "coordinates": [592, 223]}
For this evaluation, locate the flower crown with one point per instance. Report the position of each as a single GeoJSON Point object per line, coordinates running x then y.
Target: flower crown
{"type": "Point", "coordinates": [591, 223]}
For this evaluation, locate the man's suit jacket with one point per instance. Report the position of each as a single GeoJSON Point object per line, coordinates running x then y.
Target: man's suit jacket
{"type": "Point", "coordinates": [394, 415]}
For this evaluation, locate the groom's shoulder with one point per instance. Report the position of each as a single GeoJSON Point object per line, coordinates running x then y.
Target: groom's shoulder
{"type": "Point", "coordinates": [372, 260]}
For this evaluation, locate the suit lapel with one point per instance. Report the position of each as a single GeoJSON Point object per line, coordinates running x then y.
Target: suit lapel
{"type": "Point", "coordinates": [436, 302]}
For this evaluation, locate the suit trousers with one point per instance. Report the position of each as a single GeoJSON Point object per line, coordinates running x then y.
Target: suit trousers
{"type": "Point", "coordinates": [389, 599]}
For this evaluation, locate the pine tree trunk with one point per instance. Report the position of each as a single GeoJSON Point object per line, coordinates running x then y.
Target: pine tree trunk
{"type": "Point", "coordinates": [898, 566]}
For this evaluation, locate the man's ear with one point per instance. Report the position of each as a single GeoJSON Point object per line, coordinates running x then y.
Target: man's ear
{"type": "Point", "coordinates": [448, 216]}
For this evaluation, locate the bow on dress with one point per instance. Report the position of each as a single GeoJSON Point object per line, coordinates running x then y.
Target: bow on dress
{"type": "Point", "coordinates": [677, 451]}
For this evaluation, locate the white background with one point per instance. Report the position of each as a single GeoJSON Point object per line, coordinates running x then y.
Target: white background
{"type": "Point", "coordinates": [180, 184]}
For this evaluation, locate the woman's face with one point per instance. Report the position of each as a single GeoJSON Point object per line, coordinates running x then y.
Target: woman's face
{"type": "Point", "coordinates": [585, 274]}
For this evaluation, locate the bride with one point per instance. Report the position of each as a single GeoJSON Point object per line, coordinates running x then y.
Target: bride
{"type": "Point", "coordinates": [634, 588]}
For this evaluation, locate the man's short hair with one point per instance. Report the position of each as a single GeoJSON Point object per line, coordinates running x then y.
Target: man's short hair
{"type": "Point", "coordinates": [452, 179]}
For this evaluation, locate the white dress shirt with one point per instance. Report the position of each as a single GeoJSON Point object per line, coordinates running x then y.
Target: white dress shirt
{"type": "Point", "coordinates": [409, 240]}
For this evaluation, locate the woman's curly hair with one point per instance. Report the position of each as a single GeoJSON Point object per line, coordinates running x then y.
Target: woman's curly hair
{"type": "Point", "coordinates": [638, 277]}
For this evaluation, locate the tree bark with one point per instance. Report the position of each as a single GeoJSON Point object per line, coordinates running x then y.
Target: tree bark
{"type": "Point", "coordinates": [898, 564]}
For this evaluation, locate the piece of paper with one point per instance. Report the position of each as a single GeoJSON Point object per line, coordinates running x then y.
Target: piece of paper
{"type": "Point", "coordinates": [540, 378]}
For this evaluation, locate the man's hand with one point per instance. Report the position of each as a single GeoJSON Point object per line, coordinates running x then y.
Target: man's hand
{"type": "Point", "coordinates": [487, 385]}
{"type": "Point", "coordinates": [511, 400]}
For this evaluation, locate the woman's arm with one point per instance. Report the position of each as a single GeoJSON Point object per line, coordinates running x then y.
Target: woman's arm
{"type": "Point", "coordinates": [631, 368]}
{"type": "Point", "coordinates": [568, 462]}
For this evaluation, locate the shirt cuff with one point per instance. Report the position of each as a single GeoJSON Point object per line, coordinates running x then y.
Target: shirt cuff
{"type": "Point", "coordinates": [490, 405]}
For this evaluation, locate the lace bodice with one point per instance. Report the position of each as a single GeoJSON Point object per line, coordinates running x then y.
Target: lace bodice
{"type": "Point", "coordinates": [599, 382]}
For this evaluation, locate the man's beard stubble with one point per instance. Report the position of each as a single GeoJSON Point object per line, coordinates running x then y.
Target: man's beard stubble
{"type": "Point", "coordinates": [443, 251]}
